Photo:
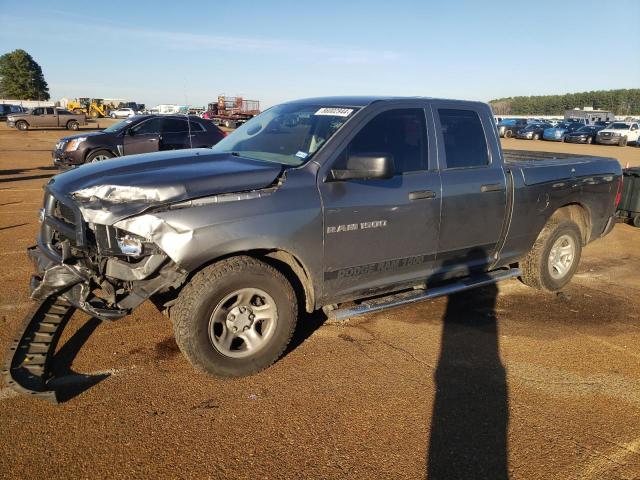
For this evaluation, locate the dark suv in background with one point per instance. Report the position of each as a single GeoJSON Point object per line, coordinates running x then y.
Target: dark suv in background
{"type": "Point", "coordinates": [8, 109]}
{"type": "Point", "coordinates": [138, 134]}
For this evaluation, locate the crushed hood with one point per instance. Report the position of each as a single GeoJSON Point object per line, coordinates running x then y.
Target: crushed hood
{"type": "Point", "coordinates": [115, 189]}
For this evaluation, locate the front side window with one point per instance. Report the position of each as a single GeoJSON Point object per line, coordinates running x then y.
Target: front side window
{"type": "Point", "coordinates": [464, 142]}
{"type": "Point", "coordinates": [150, 127]}
{"type": "Point", "coordinates": [289, 134]}
{"type": "Point", "coordinates": [400, 133]}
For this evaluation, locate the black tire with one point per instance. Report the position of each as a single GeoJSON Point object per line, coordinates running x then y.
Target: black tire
{"type": "Point", "coordinates": [589, 140]}
{"type": "Point", "coordinates": [536, 136]}
{"type": "Point", "coordinates": [200, 297]}
{"type": "Point", "coordinates": [99, 156]}
{"type": "Point", "coordinates": [113, 115]}
{"type": "Point", "coordinates": [622, 142]}
{"type": "Point", "coordinates": [636, 221]}
{"type": "Point", "coordinates": [508, 134]}
{"type": "Point", "coordinates": [73, 125]}
{"type": "Point", "coordinates": [22, 125]}
{"type": "Point", "coordinates": [535, 268]}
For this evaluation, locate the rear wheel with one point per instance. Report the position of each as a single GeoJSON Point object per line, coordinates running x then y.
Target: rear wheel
{"type": "Point", "coordinates": [536, 136]}
{"type": "Point", "coordinates": [22, 125]}
{"type": "Point", "coordinates": [99, 156]}
{"type": "Point", "coordinates": [508, 134]}
{"type": "Point", "coordinates": [554, 258]}
{"type": "Point", "coordinates": [73, 125]}
{"type": "Point", "coordinates": [113, 115]}
{"type": "Point", "coordinates": [235, 317]}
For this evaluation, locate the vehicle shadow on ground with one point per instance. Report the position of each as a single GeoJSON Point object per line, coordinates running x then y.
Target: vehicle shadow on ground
{"type": "Point", "coordinates": [66, 383]}
{"type": "Point", "coordinates": [468, 436]}
{"type": "Point", "coordinates": [16, 171]}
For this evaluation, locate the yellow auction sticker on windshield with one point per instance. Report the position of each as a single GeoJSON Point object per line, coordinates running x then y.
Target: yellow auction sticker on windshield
{"type": "Point", "coordinates": [335, 112]}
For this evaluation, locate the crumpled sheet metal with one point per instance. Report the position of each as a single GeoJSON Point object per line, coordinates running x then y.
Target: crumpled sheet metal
{"type": "Point", "coordinates": [58, 278]}
{"type": "Point", "coordinates": [106, 204]}
{"type": "Point", "coordinates": [170, 237]}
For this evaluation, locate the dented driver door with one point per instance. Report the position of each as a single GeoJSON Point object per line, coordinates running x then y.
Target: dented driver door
{"type": "Point", "coordinates": [380, 233]}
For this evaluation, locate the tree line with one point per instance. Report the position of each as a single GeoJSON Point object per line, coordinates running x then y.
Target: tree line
{"type": "Point", "coordinates": [620, 102]}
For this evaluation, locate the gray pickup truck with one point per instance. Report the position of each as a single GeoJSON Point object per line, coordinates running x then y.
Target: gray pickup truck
{"type": "Point", "coordinates": [51, 117]}
{"type": "Point", "coordinates": [349, 205]}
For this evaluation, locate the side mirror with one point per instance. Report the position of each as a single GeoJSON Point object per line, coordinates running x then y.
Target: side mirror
{"type": "Point", "coordinates": [366, 166]}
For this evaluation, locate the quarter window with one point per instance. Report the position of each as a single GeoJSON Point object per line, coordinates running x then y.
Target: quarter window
{"type": "Point", "coordinates": [464, 142]}
{"type": "Point", "coordinates": [400, 133]}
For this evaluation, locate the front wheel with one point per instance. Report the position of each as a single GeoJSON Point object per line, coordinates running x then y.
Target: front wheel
{"type": "Point", "coordinates": [73, 125]}
{"type": "Point", "coordinates": [554, 258]}
{"type": "Point", "coordinates": [235, 317]}
{"type": "Point", "coordinates": [99, 156]}
{"type": "Point", "coordinates": [22, 125]}
{"type": "Point", "coordinates": [113, 115]}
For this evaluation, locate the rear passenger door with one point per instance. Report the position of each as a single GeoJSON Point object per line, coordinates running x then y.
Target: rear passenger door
{"type": "Point", "coordinates": [49, 118]}
{"type": "Point", "coordinates": [175, 134]}
{"type": "Point", "coordinates": [474, 193]}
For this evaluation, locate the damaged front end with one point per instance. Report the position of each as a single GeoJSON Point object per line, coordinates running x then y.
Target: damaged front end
{"type": "Point", "coordinates": [100, 269]}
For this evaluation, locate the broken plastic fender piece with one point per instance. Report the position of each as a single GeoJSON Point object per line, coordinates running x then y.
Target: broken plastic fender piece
{"type": "Point", "coordinates": [170, 237]}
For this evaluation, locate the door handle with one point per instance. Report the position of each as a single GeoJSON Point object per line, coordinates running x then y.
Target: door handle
{"type": "Point", "coordinates": [492, 187]}
{"type": "Point", "coordinates": [422, 195]}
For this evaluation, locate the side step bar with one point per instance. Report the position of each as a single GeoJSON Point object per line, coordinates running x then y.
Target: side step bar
{"type": "Point", "coordinates": [26, 367]}
{"type": "Point", "coordinates": [375, 305]}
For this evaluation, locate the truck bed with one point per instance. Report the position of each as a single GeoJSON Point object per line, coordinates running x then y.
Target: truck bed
{"type": "Point", "coordinates": [542, 167]}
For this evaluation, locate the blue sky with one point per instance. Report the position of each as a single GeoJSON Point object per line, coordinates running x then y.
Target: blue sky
{"type": "Point", "coordinates": [189, 52]}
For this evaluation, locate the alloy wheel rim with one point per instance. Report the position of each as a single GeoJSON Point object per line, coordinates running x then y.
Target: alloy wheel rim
{"type": "Point", "coordinates": [243, 322]}
{"type": "Point", "coordinates": [561, 256]}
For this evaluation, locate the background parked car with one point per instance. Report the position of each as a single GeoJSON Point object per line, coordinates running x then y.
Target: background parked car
{"type": "Point", "coordinates": [619, 133]}
{"type": "Point", "coordinates": [533, 131]}
{"type": "Point", "coordinates": [586, 134]}
{"type": "Point", "coordinates": [7, 109]}
{"type": "Point", "coordinates": [51, 117]}
{"type": "Point", "coordinates": [122, 113]}
{"type": "Point", "coordinates": [510, 126]}
{"type": "Point", "coordinates": [558, 132]}
{"type": "Point", "coordinates": [139, 134]}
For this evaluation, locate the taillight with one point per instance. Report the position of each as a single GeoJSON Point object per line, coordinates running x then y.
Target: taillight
{"type": "Point", "coordinates": [619, 192]}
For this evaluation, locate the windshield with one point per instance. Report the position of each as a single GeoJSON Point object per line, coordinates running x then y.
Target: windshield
{"type": "Point", "coordinates": [118, 126]}
{"type": "Point", "coordinates": [618, 126]}
{"type": "Point", "coordinates": [288, 134]}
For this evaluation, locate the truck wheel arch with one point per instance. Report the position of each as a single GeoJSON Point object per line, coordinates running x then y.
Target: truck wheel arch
{"type": "Point", "coordinates": [287, 264]}
{"type": "Point", "coordinates": [580, 215]}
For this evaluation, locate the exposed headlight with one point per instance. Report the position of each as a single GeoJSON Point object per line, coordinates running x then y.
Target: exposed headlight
{"type": "Point", "coordinates": [73, 145]}
{"type": "Point", "coordinates": [130, 246]}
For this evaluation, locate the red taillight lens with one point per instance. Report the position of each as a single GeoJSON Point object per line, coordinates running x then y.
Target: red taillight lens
{"type": "Point", "coordinates": [619, 192]}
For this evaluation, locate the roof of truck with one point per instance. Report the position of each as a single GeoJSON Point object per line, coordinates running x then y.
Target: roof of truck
{"type": "Point", "coordinates": [362, 101]}
{"type": "Point", "coordinates": [348, 101]}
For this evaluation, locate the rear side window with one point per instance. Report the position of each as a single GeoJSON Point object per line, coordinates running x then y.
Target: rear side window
{"type": "Point", "coordinates": [174, 125]}
{"type": "Point", "coordinates": [195, 126]}
{"type": "Point", "coordinates": [464, 142]}
{"type": "Point", "coordinates": [400, 132]}
{"type": "Point", "coordinates": [50, 111]}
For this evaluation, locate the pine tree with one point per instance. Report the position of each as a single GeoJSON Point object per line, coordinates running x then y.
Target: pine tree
{"type": "Point", "coordinates": [21, 77]}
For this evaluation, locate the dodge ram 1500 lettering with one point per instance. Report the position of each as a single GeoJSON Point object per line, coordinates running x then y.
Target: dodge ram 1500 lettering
{"type": "Point", "coordinates": [350, 205]}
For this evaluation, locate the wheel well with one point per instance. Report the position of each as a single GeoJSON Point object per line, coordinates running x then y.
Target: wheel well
{"type": "Point", "coordinates": [99, 149]}
{"type": "Point", "coordinates": [285, 263]}
{"type": "Point", "coordinates": [21, 120]}
{"type": "Point", "coordinates": [580, 215]}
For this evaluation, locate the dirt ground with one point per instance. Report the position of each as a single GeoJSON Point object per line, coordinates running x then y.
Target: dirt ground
{"type": "Point", "coordinates": [502, 382]}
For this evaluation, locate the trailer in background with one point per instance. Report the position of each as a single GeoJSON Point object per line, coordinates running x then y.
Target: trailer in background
{"type": "Point", "coordinates": [232, 111]}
